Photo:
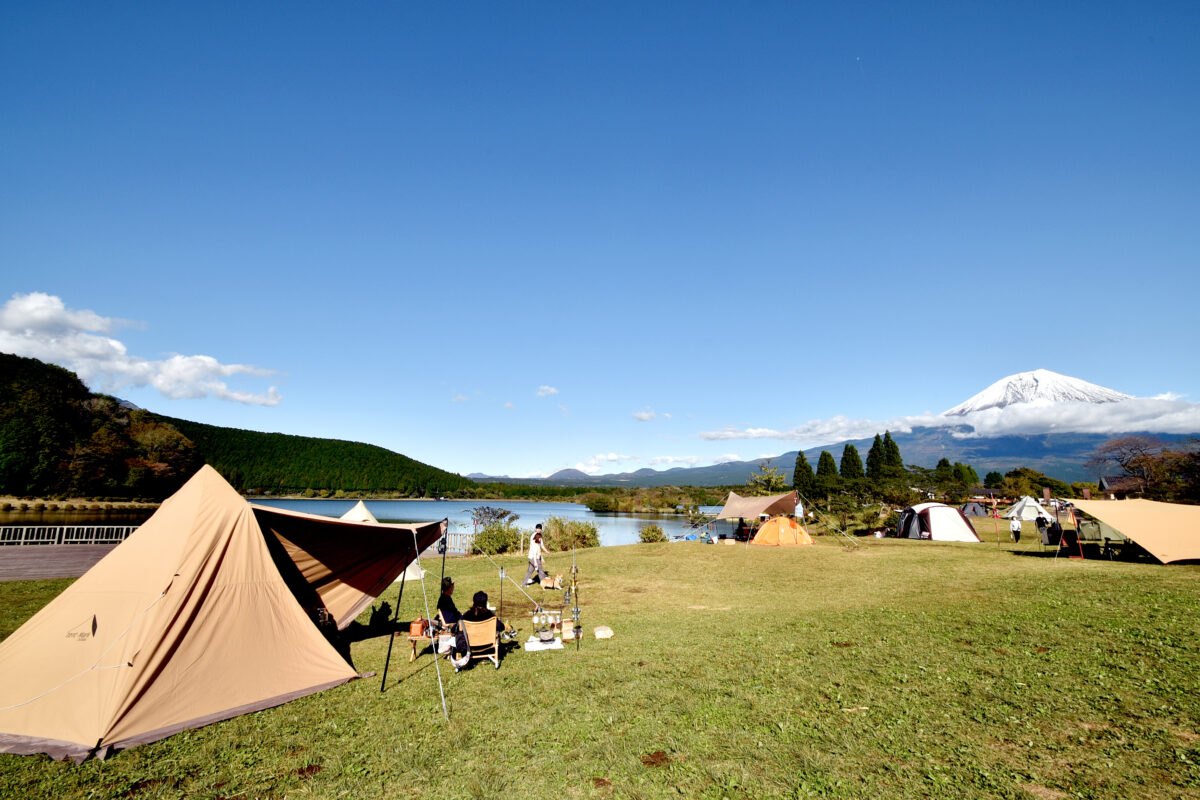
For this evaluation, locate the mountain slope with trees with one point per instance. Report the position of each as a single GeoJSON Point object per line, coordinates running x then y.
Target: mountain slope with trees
{"type": "Point", "coordinates": [281, 463]}
{"type": "Point", "coordinates": [57, 438]}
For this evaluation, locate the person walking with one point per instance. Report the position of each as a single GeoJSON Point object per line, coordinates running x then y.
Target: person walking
{"type": "Point", "coordinates": [1014, 530]}
{"type": "Point", "coordinates": [535, 556]}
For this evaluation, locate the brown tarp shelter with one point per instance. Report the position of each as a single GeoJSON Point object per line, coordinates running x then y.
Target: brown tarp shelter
{"type": "Point", "coordinates": [204, 613]}
{"type": "Point", "coordinates": [1168, 531]}
{"type": "Point", "coordinates": [781, 531]}
{"type": "Point", "coordinates": [738, 507]}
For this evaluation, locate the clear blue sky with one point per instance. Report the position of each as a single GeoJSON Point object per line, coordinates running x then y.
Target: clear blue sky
{"type": "Point", "coordinates": [711, 215]}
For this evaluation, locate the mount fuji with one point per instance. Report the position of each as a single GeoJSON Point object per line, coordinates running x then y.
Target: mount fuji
{"type": "Point", "coordinates": [1042, 387]}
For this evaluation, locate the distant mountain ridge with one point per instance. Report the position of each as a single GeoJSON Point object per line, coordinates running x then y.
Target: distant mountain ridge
{"type": "Point", "coordinates": [1061, 455]}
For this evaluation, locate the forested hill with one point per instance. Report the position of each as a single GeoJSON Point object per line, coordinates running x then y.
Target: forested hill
{"type": "Point", "coordinates": [57, 439]}
{"type": "Point", "coordinates": [283, 463]}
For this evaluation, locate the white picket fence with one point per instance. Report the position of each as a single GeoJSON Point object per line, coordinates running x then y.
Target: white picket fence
{"type": "Point", "coordinates": [458, 544]}
{"type": "Point", "coordinates": [64, 534]}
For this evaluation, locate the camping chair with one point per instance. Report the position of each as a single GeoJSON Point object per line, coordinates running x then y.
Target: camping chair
{"type": "Point", "coordinates": [484, 640]}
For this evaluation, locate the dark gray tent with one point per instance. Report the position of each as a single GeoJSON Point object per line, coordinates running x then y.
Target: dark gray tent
{"type": "Point", "coordinates": [974, 510]}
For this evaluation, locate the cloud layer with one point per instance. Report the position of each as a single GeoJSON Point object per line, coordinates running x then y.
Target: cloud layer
{"type": "Point", "coordinates": [1163, 414]}
{"type": "Point", "coordinates": [40, 326]}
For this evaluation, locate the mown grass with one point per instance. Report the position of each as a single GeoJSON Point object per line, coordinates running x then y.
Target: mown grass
{"type": "Point", "coordinates": [897, 669]}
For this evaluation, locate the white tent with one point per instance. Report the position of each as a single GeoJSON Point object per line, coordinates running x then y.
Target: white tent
{"type": "Point", "coordinates": [1027, 508]}
{"type": "Point", "coordinates": [360, 513]}
{"type": "Point", "coordinates": [936, 521]}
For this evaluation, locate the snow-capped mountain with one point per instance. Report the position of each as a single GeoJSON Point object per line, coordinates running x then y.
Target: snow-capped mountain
{"type": "Point", "coordinates": [1041, 387]}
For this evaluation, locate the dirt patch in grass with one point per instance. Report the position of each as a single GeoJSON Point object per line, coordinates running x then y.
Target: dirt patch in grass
{"type": "Point", "coordinates": [656, 759]}
{"type": "Point", "coordinates": [1043, 792]}
{"type": "Point", "coordinates": [601, 783]}
{"type": "Point", "coordinates": [307, 772]}
{"type": "Point", "coordinates": [1184, 735]}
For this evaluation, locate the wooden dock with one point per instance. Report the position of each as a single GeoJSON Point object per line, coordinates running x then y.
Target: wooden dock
{"type": "Point", "coordinates": [34, 563]}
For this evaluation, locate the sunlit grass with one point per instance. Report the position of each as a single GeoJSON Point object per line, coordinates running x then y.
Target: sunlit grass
{"type": "Point", "coordinates": [897, 669]}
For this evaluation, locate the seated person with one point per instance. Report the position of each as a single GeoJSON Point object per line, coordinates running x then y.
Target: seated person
{"type": "Point", "coordinates": [445, 603]}
{"type": "Point", "coordinates": [478, 612]}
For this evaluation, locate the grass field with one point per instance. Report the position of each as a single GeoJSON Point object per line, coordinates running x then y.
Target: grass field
{"type": "Point", "coordinates": [897, 669]}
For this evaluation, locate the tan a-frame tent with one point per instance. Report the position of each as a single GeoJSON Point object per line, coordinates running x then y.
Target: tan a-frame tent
{"type": "Point", "coordinates": [204, 613]}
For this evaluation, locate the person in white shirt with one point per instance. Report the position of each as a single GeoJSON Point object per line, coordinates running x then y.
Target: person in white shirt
{"type": "Point", "coordinates": [1014, 530]}
{"type": "Point", "coordinates": [535, 556]}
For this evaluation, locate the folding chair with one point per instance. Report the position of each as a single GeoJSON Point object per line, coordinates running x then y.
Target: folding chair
{"type": "Point", "coordinates": [484, 640]}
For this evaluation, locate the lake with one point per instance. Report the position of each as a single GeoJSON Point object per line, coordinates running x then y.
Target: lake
{"type": "Point", "coordinates": [614, 529]}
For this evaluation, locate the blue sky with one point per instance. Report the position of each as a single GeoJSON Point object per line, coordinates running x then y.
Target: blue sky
{"type": "Point", "coordinates": [517, 237]}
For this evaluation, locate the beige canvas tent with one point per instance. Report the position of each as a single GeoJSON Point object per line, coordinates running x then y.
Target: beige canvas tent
{"type": "Point", "coordinates": [738, 507]}
{"type": "Point", "coordinates": [1027, 508]}
{"type": "Point", "coordinates": [204, 613]}
{"type": "Point", "coordinates": [1167, 531]}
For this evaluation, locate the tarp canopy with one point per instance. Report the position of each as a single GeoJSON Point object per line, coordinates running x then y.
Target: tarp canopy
{"type": "Point", "coordinates": [936, 521]}
{"type": "Point", "coordinates": [360, 513]}
{"type": "Point", "coordinates": [1027, 508]}
{"type": "Point", "coordinates": [197, 617]}
{"type": "Point", "coordinates": [1167, 531]}
{"type": "Point", "coordinates": [781, 531]}
{"type": "Point", "coordinates": [738, 507]}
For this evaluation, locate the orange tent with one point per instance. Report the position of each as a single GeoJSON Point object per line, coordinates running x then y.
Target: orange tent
{"type": "Point", "coordinates": [779, 531]}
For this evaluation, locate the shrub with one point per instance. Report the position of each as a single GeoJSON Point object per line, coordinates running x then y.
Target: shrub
{"type": "Point", "coordinates": [561, 534]}
{"type": "Point", "coordinates": [652, 533]}
{"type": "Point", "coordinates": [496, 537]}
{"type": "Point", "coordinates": [600, 503]}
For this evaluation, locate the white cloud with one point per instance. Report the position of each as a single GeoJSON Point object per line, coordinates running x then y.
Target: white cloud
{"type": "Point", "coordinates": [690, 461]}
{"type": "Point", "coordinates": [1162, 414]}
{"type": "Point", "coordinates": [508, 404]}
{"type": "Point", "coordinates": [458, 398]}
{"type": "Point", "coordinates": [725, 459]}
{"type": "Point", "coordinates": [546, 391]}
{"type": "Point", "coordinates": [644, 416]}
{"type": "Point", "coordinates": [601, 462]}
{"type": "Point", "coordinates": [40, 326]}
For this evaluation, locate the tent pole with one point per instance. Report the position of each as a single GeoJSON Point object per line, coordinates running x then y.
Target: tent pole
{"type": "Point", "coordinates": [436, 661]}
{"type": "Point", "coordinates": [392, 639]}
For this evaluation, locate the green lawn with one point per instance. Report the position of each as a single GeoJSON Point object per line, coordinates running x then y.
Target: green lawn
{"type": "Point", "coordinates": [898, 669]}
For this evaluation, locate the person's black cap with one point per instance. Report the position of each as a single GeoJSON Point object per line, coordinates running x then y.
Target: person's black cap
{"type": "Point", "coordinates": [480, 599]}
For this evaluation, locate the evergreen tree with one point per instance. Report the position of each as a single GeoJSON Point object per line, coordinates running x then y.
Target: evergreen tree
{"type": "Point", "coordinates": [893, 464]}
{"type": "Point", "coordinates": [994, 480]}
{"type": "Point", "coordinates": [803, 480]}
{"type": "Point", "coordinates": [827, 475]}
{"type": "Point", "coordinates": [852, 467]}
{"type": "Point", "coordinates": [966, 474]}
{"type": "Point", "coordinates": [875, 460]}
{"type": "Point", "coordinates": [943, 473]}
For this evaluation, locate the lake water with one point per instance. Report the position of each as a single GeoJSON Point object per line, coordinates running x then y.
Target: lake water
{"type": "Point", "coordinates": [614, 529]}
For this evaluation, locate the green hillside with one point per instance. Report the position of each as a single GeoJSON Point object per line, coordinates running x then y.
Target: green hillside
{"type": "Point", "coordinates": [282, 463]}
{"type": "Point", "coordinates": [58, 439]}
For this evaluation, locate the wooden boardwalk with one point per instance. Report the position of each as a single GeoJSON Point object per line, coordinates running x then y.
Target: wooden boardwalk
{"type": "Point", "coordinates": [34, 563]}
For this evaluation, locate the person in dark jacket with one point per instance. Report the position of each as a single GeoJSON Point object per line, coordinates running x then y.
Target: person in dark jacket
{"type": "Point", "coordinates": [445, 603]}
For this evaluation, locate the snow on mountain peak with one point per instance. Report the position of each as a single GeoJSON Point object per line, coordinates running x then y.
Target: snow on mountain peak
{"type": "Point", "coordinates": [1040, 386]}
